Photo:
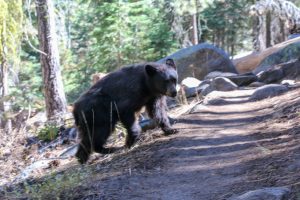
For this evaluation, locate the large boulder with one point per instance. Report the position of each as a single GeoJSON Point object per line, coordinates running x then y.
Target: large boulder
{"type": "Point", "coordinates": [291, 69]}
{"type": "Point", "coordinates": [290, 52]}
{"type": "Point", "coordinates": [276, 73]}
{"type": "Point", "coordinates": [251, 61]}
{"type": "Point", "coordinates": [271, 75]}
{"type": "Point", "coordinates": [197, 61]}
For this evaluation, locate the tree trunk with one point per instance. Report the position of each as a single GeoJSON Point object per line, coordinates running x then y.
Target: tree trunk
{"type": "Point", "coordinates": [5, 122]}
{"type": "Point", "coordinates": [259, 32]}
{"type": "Point", "coordinates": [195, 29]}
{"type": "Point", "coordinates": [53, 86]}
{"type": "Point", "coordinates": [5, 104]}
{"type": "Point", "coordinates": [268, 30]}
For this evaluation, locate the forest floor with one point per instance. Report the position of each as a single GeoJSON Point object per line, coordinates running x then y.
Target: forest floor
{"type": "Point", "coordinates": [220, 151]}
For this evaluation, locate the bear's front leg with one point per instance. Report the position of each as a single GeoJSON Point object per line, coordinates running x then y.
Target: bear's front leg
{"type": "Point", "coordinates": [133, 128]}
{"type": "Point", "coordinates": [156, 109]}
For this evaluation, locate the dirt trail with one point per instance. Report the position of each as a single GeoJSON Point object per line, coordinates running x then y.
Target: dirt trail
{"type": "Point", "coordinates": [220, 151]}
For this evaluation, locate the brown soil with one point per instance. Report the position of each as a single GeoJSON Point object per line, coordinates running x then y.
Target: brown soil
{"type": "Point", "coordinates": [221, 151]}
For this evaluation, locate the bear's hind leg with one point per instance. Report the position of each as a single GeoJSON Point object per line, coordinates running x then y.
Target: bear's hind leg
{"type": "Point", "coordinates": [84, 150]}
{"type": "Point", "coordinates": [100, 137]}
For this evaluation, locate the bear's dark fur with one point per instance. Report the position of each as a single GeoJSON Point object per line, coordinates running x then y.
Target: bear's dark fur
{"type": "Point", "coordinates": [119, 96]}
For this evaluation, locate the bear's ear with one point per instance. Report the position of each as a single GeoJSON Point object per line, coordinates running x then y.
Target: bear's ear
{"type": "Point", "coordinates": [171, 63]}
{"type": "Point", "coordinates": [150, 70]}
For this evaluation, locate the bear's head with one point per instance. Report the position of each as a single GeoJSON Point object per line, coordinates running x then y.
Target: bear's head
{"type": "Point", "coordinates": [162, 78]}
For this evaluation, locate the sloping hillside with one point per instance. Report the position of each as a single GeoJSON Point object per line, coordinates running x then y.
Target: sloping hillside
{"type": "Point", "coordinates": [220, 152]}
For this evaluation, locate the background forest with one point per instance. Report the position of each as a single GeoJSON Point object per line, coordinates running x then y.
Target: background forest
{"type": "Point", "coordinates": [237, 110]}
{"type": "Point", "coordinates": [100, 36]}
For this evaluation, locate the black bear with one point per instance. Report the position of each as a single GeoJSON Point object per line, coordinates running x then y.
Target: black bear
{"type": "Point", "coordinates": [119, 96]}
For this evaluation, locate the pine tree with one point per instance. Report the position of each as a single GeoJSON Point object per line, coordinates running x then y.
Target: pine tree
{"type": "Point", "coordinates": [226, 24]}
{"type": "Point", "coordinates": [53, 87]}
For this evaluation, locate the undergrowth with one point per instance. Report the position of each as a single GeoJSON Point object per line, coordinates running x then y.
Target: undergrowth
{"type": "Point", "coordinates": [55, 186]}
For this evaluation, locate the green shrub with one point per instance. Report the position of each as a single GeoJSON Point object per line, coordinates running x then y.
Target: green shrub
{"type": "Point", "coordinates": [48, 132]}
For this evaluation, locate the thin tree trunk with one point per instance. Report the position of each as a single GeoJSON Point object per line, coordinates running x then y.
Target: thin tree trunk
{"type": "Point", "coordinates": [53, 86]}
{"type": "Point", "coordinates": [283, 30]}
{"type": "Point", "coordinates": [68, 25]}
{"type": "Point", "coordinates": [262, 33]}
{"type": "Point", "coordinates": [195, 29]}
{"type": "Point", "coordinates": [5, 104]}
{"type": "Point", "coordinates": [268, 30]}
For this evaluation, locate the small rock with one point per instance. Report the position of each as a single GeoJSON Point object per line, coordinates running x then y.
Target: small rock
{"type": "Point", "coordinates": [206, 89]}
{"type": "Point", "coordinates": [6, 152]}
{"type": "Point", "coordinates": [216, 74]}
{"type": "Point", "coordinates": [191, 92]}
{"type": "Point", "coordinates": [148, 124]}
{"type": "Point", "coordinates": [190, 82]}
{"type": "Point", "coordinates": [214, 101]}
{"type": "Point", "coordinates": [256, 84]}
{"type": "Point", "coordinates": [69, 152]}
{"type": "Point", "coordinates": [271, 193]}
{"type": "Point", "coordinates": [243, 79]}
{"type": "Point", "coordinates": [41, 164]}
{"type": "Point", "coordinates": [288, 82]}
{"type": "Point", "coordinates": [223, 84]}
{"type": "Point", "coordinates": [219, 84]}
{"type": "Point", "coordinates": [216, 98]}
{"type": "Point", "coordinates": [72, 133]}
{"type": "Point", "coordinates": [193, 86]}
{"type": "Point", "coordinates": [190, 86]}
{"type": "Point", "coordinates": [268, 91]}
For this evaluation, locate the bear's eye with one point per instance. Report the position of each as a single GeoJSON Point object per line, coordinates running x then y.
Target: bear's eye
{"type": "Point", "coordinates": [171, 80]}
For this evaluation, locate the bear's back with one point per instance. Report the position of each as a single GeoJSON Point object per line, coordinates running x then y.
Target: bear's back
{"type": "Point", "coordinates": [123, 85]}
{"type": "Point", "coordinates": [126, 78]}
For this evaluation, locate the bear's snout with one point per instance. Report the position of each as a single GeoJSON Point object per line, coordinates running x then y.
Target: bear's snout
{"type": "Point", "coordinates": [172, 93]}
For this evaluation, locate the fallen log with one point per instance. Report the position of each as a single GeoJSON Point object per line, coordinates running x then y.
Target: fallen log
{"type": "Point", "coordinates": [250, 62]}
